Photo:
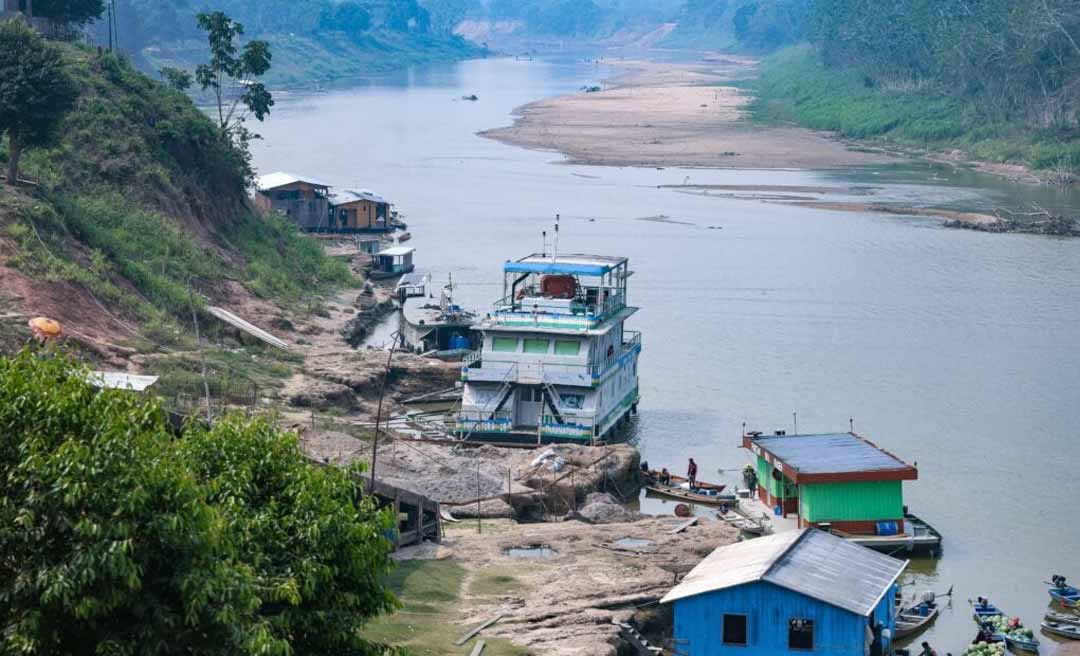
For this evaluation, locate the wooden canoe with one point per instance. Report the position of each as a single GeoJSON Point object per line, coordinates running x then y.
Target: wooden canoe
{"type": "Point", "coordinates": [1070, 631]}
{"type": "Point", "coordinates": [911, 622]}
{"type": "Point", "coordinates": [1062, 618]}
{"type": "Point", "coordinates": [705, 494]}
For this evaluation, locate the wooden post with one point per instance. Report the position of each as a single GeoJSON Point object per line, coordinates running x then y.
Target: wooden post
{"type": "Point", "coordinates": [478, 528]}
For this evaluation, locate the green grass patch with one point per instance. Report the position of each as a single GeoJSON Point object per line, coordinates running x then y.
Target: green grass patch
{"type": "Point", "coordinates": [794, 86]}
{"type": "Point", "coordinates": [235, 376]}
{"type": "Point", "coordinates": [430, 592]}
{"type": "Point", "coordinates": [494, 582]}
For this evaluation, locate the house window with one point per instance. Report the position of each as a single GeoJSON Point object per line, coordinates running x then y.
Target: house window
{"type": "Point", "coordinates": [504, 344]}
{"type": "Point", "coordinates": [567, 347]}
{"type": "Point", "coordinates": [800, 634]}
{"type": "Point", "coordinates": [734, 629]}
{"type": "Point", "coordinates": [537, 345]}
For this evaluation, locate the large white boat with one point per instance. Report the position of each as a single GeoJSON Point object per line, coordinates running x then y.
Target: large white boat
{"type": "Point", "coordinates": [555, 364]}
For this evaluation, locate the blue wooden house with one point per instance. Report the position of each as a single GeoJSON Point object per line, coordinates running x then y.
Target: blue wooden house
{"type": "Point", "coordinates": [791, 593]}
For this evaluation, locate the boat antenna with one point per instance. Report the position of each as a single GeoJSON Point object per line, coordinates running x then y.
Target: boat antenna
{"type": "Point", "coordinates": [543, 249]}
{"type": "Point", "coordinates": [851, 425]}
{"type": "Point", "coordinates": [555, 248]}
{"type": "Point", "coordinates": [795, 417]}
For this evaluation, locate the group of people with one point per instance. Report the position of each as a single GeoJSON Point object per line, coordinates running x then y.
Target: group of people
{"type": "Point", "coordinates": [750, 477]}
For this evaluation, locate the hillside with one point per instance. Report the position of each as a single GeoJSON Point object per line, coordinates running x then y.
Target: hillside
{"type": "Point", "coordinates": [312, 40]}
{"type": "Point", "coordinates": [139, 217]}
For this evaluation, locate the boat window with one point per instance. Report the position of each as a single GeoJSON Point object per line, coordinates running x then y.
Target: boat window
{"type": "Point", "coordinates": [800, 634]}
{"type": "Point", "coordinates": [567, 347]}
{"type": "Point", "coordinates": [734, 629]}
{"type": "Point", "coordinates": [574, 401]}
{"type": "Point", "coordinates": [535, 345]}
{"type": "Point", "coordinates": [504, 344]}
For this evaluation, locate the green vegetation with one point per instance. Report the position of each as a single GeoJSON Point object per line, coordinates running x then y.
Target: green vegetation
{"type": "Point", "coordinates": [142, 201]}
{"type": "Point", "coordinates": [795, 86]}
{"type": "Point", "coordinates": [120, 537]}
{"type": "Point", "coordinates": [311, 39]}
{"type": "Point", "coordinates": [431, 594]}
{"type": "Point", "coordinates": [36, 93]}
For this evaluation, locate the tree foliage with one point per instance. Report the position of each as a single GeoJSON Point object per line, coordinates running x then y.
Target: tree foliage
{"type": "Point", "coordinates": [117, 537]}
{"type": "Point", "coordinates": [231, 76]}
{"type": "Point", "coordinates": [36, 91]}
{"type": "Point", "coordinates": [72, 12]}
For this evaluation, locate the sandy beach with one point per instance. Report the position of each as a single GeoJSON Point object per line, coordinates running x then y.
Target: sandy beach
{"type": "Point", "coordinates": [672, 114]}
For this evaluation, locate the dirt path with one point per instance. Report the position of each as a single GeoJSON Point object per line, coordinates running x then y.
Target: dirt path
{"type": "Point", "coordinates": [672, 114]}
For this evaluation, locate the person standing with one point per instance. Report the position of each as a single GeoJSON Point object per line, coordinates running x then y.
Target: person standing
{"type": "Point", "coordinates": [691, 473]}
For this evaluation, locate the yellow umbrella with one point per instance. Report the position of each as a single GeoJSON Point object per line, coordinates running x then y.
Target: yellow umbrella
{"type": "Point", "coordinates": [45, 329]}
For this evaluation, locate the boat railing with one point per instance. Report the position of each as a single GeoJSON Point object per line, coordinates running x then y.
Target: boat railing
{"type": "Point", "coordinates": [593, 312]}
{"type": "Point", "coordinates": [550, 371]}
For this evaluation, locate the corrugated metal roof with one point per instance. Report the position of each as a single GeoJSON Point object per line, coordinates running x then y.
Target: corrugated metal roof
{"type": "Point", "coordinates": [281, 178]}
{"type": "Point", "coordinates": [345, 196]}
{"type": "Point", "coordinates": [120, 380]}
{"type": "Point", "coordinates": [247, 327]}
{"type": "Point", "coordinates": [396, 251]}
{"type": "Point", "coordinates": [810, 562]}
{"type": "Point", "coordinates": [830, 453]}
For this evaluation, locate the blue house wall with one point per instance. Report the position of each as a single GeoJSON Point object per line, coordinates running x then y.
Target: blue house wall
{"type": "Point", "coordinates": [699, 622]}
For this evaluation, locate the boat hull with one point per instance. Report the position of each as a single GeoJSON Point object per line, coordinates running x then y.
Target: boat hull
{"type": "Point", "coordinates": [1063, 630]}
{"type": "Point", "coordinates": [910, 624]}
{"type": "Point", "coordinates": [924, 540]}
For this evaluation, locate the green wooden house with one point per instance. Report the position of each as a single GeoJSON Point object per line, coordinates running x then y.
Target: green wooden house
{"type": "Point", "coordinates": [839, 479]}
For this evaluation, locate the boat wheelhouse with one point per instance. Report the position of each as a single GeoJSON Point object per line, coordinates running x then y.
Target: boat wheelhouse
{"type": "Point", "coordinates": [555, 363]}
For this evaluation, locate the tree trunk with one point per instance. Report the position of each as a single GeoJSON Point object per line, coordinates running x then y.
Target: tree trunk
{"type": "Point", "coordinates": [14, 152]}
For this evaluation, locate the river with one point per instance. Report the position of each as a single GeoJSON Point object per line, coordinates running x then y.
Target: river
{"type": "Point", "coordinates": [954, 349]}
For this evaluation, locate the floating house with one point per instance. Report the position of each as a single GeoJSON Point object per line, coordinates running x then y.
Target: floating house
{"type": "Point", "coordinates": [358, 211]}
{"type": "Point", "coordinates": [555, 363]}
{"type": "Point", "coordinates": [393, 262]}
{"type": "Point", "coordinates": [839, 479]}
{"type": "Point", "coordinates": [790, 593]}
{"type": "Point", "coordinates": [304, 200]}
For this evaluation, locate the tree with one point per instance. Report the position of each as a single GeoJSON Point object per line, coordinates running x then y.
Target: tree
{"type": "Point", "coordinates": [118, 537]}
{"type": "Point", "coordinates": [176, 78]}
{"type": "Point", "coordinates": [233, 78]}
{"type": "Point", "coordinates": [36, 91]}
{"type": "Point", "coordinates": [71, 12]}
{"type": "Point", "coordinates": [349, 17]}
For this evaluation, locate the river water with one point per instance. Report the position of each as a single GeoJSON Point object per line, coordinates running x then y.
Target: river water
{"type": "Point", "coordinates": [954, 349]}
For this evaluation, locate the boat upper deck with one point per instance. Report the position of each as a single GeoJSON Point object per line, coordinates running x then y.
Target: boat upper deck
{"type": "Point", "coordinates": [574, 292]}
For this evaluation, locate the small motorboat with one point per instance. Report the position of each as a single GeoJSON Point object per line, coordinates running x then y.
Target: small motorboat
{"type": "Point", "coordinates": [1002, 629]}
{"type": "Point", "coordinates": [1070, 631]}
{"type": "Point", "coordinates": [677, 487]}
{"type": "Point", "coordinates": [755, 526]}
{"type": "Point", "coordinates": [916, 618]}
{"type": "Point", "coordinates": [1063, 593]}
{"type": "Point", "coordinates": [1062, 618]}
{"type": "Point", "coordinates": [918, 538]}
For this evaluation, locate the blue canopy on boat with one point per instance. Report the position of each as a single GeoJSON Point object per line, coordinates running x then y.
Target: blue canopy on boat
{"type": "Point", "coordinates": [574, 265]}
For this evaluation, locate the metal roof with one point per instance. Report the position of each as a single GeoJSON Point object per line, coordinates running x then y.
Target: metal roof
{"type": "Point", "coordinates": [573, 264]}
{"type": "Point", "coordinates": [345, 196]}
{"type": "Point", "coordinates": [396, 251]}
{"type": "Point", "coordinates": [810, 562]}
{"type": "Point", "coordinates": [829, 453]}
{"type": "Point", "coordinates": [413, 279]}
{"type": "Point", "coordinates": [120, 380]}
{"type": "Point", "coordinates": [249, 328]}
{"type": "Point", "coordinates": [280, 179]}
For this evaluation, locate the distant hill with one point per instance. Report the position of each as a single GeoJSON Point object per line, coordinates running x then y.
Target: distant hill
{"type": "Point", "coordinates": [311, 40]}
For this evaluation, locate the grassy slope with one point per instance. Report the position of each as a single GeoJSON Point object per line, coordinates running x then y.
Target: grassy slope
{"type": "Point", "coordinates": [142, 207]}
{"type": "Point", "coordinates": [795, 87]}
{"type": "Point", "coordinates": [431, 592]}
{"type": "Point", "coordinates": [302, 59]}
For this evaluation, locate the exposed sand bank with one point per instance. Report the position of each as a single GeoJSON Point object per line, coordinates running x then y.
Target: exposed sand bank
{"type": "Point", "coordinates": [661, 114]}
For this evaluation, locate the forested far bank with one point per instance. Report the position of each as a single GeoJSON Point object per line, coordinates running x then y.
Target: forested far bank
{"type": "Point", "coordinates": [312, 40]}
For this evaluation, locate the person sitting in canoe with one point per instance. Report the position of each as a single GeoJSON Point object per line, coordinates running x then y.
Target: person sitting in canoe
{"type": "Point", "coordinates": [665, 476]}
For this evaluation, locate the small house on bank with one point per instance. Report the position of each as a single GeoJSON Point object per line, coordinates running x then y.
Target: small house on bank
{"type": "Point", "coordinates": [304, 200]}
{"type": "Point", "coordinates": [796, 592]}
{"type": "Point", "coordinates": [358, 211]}
{"type": "Point", "coordinates": [839, 479]}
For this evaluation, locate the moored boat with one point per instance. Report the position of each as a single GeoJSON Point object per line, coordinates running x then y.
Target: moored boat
{"type": "Point", "coordinates": [916, 618]}
{"type": "Point", "coordinates": [1063, 593]}
{"type": "Point", "coordinates": [1062, 618]}
{"type": "Point", "coordinates": [1001, 628]}
{"type": "Point", "coordinates": [444, 330]}
{"type": "Point", "coordinates": [1061, 629]}
{"type": "Point", "coordinates": [677, 487]}
{"type": "Point", "coordinates": [555, 363]}
{"type": "Point", "coordinates": [918, 538]}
